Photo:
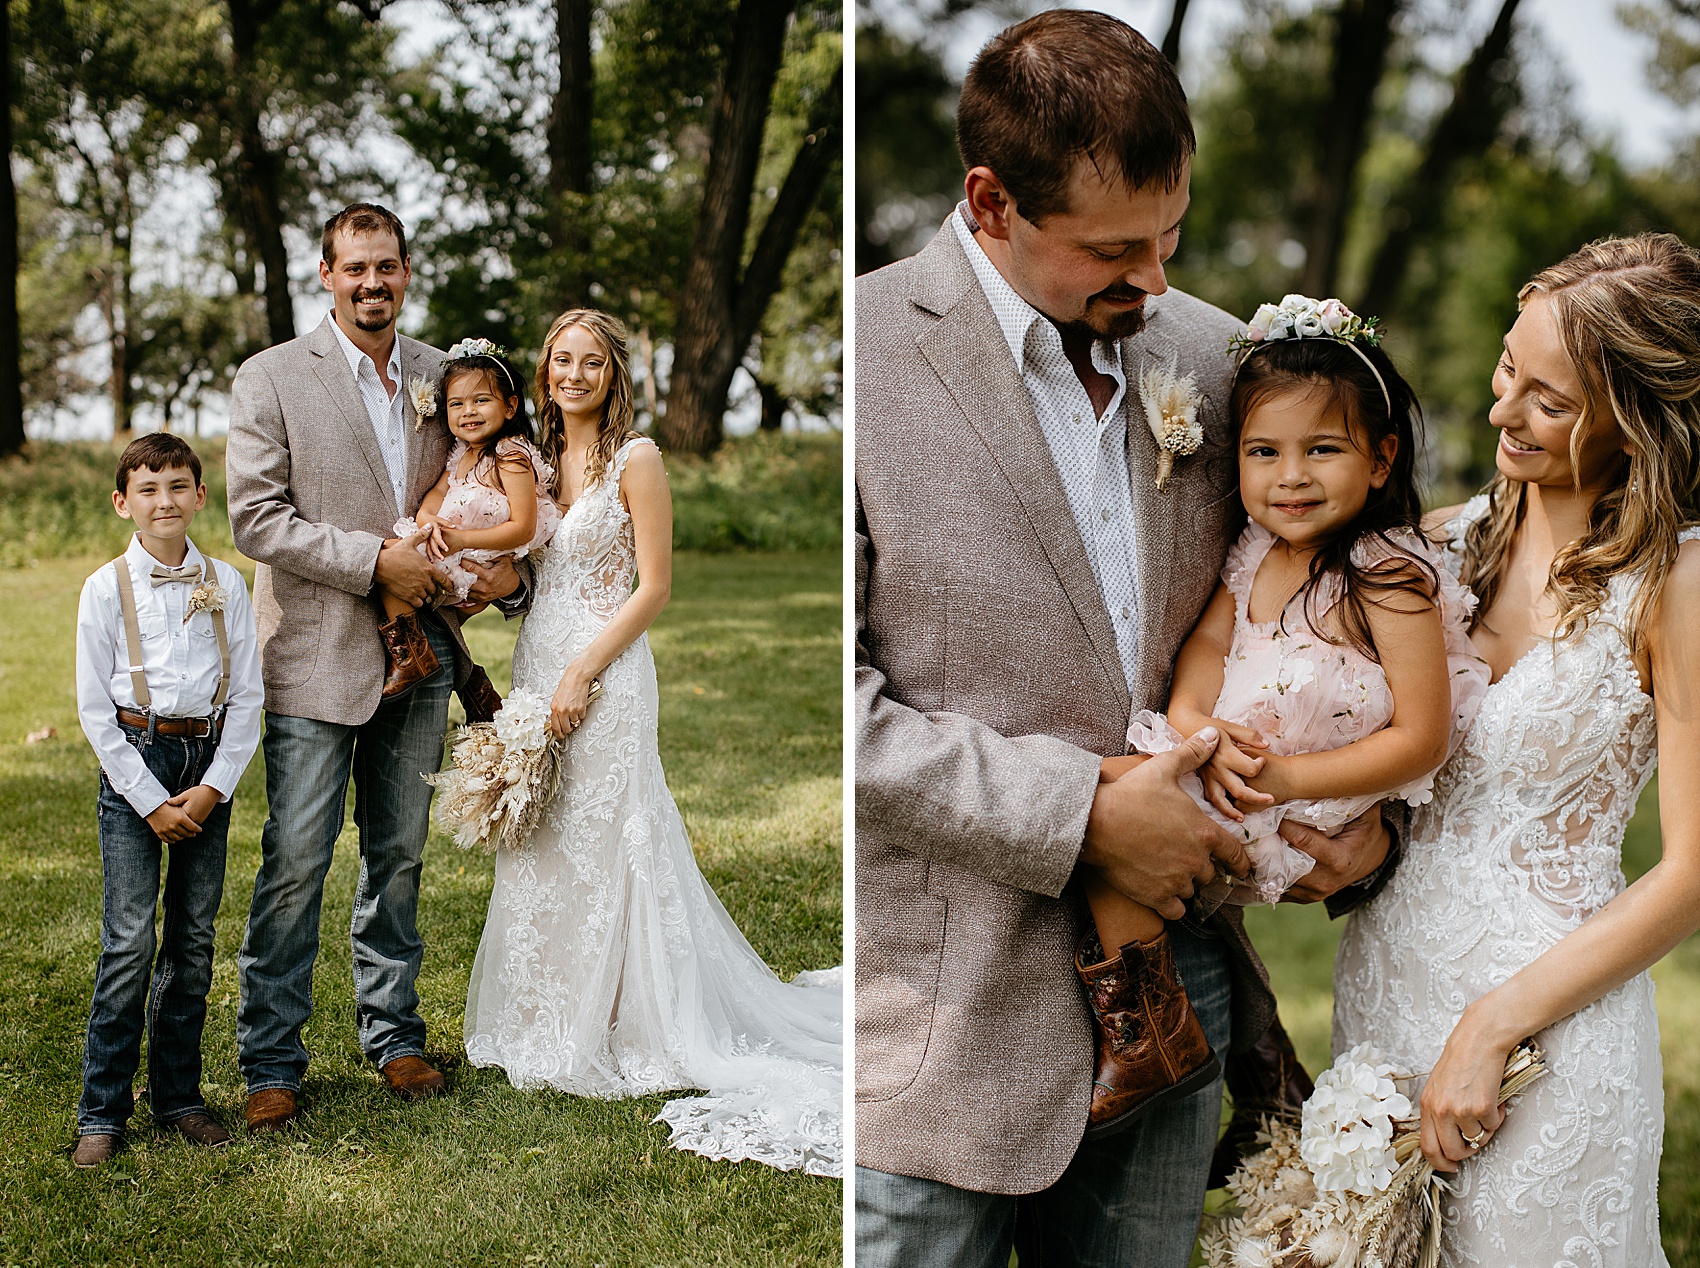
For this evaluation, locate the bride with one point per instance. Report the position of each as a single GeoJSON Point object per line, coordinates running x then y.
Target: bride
{"type": "Point", "coordinates": [608, 967]}
{"type": "Point", "coordinates": [1508, 916]}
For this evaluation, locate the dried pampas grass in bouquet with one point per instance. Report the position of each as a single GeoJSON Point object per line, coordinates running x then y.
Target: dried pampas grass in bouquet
{"type": "Point", "coordinates": [1347, 1186]}
{"type": "Point", "coordinates": [501, 775]}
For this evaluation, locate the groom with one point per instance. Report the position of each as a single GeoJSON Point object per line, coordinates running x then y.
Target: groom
{"type": "Point", "coordinates": [1022, 584]}
{"type": "Point", "coordinates": [327, 450]}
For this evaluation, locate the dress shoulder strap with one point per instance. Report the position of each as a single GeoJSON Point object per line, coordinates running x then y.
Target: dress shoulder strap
{"type": "Point", "coordinates": [625, 451]}
{"type": "Point", "coordinates": [1245, 557]}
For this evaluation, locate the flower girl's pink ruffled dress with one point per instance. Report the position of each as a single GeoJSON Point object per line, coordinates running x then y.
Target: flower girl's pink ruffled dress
{"type": "Point", "coordinates": [1304, 694]}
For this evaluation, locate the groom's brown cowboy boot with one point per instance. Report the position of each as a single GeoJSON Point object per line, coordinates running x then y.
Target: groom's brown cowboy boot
{"type": "Point", "coordinates": [408, 657]}
{"type": "Point", "coordinates": [1266, 1081]}
{"type": "Point", "coordinates": [478, 696]}
{"type": "Point", "coordinates": [1151, 1049]}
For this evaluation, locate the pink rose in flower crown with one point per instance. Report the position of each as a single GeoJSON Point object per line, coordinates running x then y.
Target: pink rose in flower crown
{"type": "Point", "coordinates": [1261, 322]}
{"type": "Point", "coordinates": [1334, 315]}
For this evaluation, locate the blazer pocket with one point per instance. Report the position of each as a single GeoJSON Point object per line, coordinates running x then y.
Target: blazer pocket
{"type": "Point", "coordinates": [899, 951]}
{"type": "Point", "coordinates": [289, 656]}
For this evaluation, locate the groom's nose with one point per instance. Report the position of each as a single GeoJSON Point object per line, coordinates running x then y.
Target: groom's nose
{"type": "Point", "coordinates": [1145, 272]}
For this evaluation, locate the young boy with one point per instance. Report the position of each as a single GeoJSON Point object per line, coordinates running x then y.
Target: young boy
{"type": "Point", "coordinates": [168, 690]}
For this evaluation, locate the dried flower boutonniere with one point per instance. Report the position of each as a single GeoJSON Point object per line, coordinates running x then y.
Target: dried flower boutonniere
{"type": "Point", "coordinates": [209, 596]}
{"type": "Point", "coordinates": [424, 400]}
{"type": "Point", "coordinates": [1171, 408]}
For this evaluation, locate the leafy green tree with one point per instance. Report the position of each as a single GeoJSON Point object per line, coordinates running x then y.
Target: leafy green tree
{"type": "Point", "coordinates": [519, 235]}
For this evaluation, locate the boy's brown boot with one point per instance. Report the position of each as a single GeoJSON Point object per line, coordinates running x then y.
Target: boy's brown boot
{"type": "Point", "coordinates": [1151, 1049]}
{"type": "Point", "coordinates": [408, 657]}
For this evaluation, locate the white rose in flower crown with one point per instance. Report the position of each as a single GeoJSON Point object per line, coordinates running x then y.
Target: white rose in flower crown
{"type": "Point", "coordinates": [1296, 304]}
{"type": "Point", "coordinates": [1346, 1135]}
{"type": "Point", "coordinates": [1280, 325]}
{"type": "Point", "coordinates": [1309, 325]}
{"type": "Point", "coordinates": [1261, 321]}
{"type": "Point", "coordinates": [1334, 315]}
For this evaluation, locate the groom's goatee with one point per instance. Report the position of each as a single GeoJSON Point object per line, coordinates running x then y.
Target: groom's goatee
{"type": "Point", "coordinates": [1121, 326]}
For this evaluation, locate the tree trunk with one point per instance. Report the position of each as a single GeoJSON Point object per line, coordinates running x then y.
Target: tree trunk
{"type": "Point", "coordinates": [1467, 128]}
{"type": "Point", "coordinates": [257, 166]}
{"type": "Point", "coordinates": [568, 136]}
{"type": "Point", "coordinates": [718, 313]}
{"type": "Point", "coordinates": [1363, 31]}
{"type": "Point", "coordinates": [772, 406]}
{"type": "Point", "coordinates": [705, 349]}
{"type": "Point", "coordinates": [11, 385]}
{"type": "Point", "coordinates": [1172, 37]}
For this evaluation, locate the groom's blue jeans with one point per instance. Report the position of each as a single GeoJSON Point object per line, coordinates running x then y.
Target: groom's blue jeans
{"type": "Point", "coordinates": [308, 767]}
{"type": "Point", "coordinates": [1132, 1200]}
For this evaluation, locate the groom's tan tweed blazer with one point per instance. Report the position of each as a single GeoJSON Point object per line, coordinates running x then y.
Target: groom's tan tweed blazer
{"type": "Point", "coordinates": [311, 503]}
{"type": "Point", "coordinates": [988, 686]}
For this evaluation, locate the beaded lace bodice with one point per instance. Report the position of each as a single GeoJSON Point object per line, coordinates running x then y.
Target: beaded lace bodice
{"type": "Point", "coordinates": [1522, 843]}
{"type": "Point", "coordinates": [608, 967]}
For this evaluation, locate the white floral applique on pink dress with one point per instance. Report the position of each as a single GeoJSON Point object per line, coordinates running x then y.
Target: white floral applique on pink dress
{"type": "Point", "coordinates": [473, 502]}
{"type": "Point", "coordinates": [1304, 694]}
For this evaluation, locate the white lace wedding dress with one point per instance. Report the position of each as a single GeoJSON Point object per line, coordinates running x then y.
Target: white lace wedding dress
{"type": "Point", "coordinates": [1521, 844]}
{"type": "Point", "coordinates": [608, 967]}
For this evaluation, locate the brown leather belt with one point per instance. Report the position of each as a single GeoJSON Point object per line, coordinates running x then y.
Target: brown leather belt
{"type": "Point", "coordinates": [194, 728]}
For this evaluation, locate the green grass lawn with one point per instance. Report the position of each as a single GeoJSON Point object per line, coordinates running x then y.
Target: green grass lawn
{"type": "Point", "coordinates": [1298, 945]}
{"type": "Point", "coordinates": [749, 662]}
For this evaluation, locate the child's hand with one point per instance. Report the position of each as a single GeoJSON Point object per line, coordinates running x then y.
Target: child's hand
{"type": "Point", "coordinates": [172, 823]}
{"type": "Point", "coordinates": [450, 539]}
{"type": "Point", "coordinates": [1272, 780]}
{"type": "Point", "coordinates": [436, 545]}
{"type": "Point", "coordinates": [198, 801]}
{"type": "Point", "coordinates": [1237, 759]}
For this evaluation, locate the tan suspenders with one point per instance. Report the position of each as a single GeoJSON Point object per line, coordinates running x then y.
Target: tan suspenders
{"type": "Point", "coordinates": [133, 639]}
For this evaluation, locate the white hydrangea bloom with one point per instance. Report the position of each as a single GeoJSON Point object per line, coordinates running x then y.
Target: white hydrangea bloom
{"type": "Point", "coordinates": [1346, 1135]}
{"type": "Point", "coordinates": [523, 721]}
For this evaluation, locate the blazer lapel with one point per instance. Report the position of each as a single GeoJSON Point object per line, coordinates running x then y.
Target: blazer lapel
{"type": "Point", "coordinates": [1156, 513]}
{"type": "Point", "coordinates": [966, 349]}
{"type": "Point", "coordinates": [332, 368]}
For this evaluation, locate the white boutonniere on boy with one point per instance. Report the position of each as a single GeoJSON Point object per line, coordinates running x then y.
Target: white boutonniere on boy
{"type": "Point", "coordinates": [424, 394]}
{"type": "Point", "coordinates": [209, 596]}
{"type": "Point", "coordinates": [1171, 403]}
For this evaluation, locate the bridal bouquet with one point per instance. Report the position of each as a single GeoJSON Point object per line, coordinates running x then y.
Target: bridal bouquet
{"type": "Point", "coordinates": [502, 774]}
{"type": "Point", "coordinates": [1347, 1186]}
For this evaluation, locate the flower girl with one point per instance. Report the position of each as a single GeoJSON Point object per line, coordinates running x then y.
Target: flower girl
{"type": "Point", "coordinates": [492, 499]}
{"type": "Point", "coordinates": [1333, 661]}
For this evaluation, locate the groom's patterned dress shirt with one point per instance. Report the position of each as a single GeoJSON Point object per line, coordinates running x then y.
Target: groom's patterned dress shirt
{"type": "Point", "coordinates": [1090, 450]}
{"type": "Point", "coordinates": [384, 410]}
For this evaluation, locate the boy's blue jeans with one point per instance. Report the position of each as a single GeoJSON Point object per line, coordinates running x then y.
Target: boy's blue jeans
{"type": "Point", "coordinates": [309, 764]}
{"type": "Point", "coordinates": [173, 1006]}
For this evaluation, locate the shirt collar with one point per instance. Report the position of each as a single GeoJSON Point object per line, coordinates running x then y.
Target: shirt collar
{"type": "Point", "coordinates": [355, 356]}
{"type": "Point", "coordinates": [141, 563]}
{"type": "Point", "coordinates": [1015, 315]}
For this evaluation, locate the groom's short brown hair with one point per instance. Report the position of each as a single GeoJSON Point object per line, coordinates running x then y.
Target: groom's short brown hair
{"type": "Point", "coordinates": [362, 218]}
{"type": "Point", "coordinates": [1069, 84]}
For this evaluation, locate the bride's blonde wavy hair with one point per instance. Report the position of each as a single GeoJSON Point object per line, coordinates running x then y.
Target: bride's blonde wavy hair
{"type": "Point", "coordinates": [617, 426]}
{"type": "Point", "coordinates": [1628, 314]}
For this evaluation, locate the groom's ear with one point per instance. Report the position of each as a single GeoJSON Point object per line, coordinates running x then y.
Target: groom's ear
{"type": "Point", "coordinates": [992, 207]}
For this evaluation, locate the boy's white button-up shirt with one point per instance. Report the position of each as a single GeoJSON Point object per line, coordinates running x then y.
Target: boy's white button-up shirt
{"type": "Point", "coordinates": [181, 662]}
{"type": "Point", "coordinates": [1089, 448]}
{"type": "Point", "coordinates": [387, 412]}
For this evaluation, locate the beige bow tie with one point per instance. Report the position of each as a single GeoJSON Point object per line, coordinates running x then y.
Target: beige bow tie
{"type": "Point", "coordinates": [163, 576]}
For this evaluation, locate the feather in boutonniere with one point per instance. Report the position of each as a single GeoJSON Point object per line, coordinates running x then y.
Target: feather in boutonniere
{"type": "Point", "coordinates": [1171, 403]}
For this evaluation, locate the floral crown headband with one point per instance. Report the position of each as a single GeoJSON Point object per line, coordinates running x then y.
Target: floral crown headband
{"type": "Point", "coordinates": [1301, 317]}
{"type": "Point", "coordinates": [484, 348]}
